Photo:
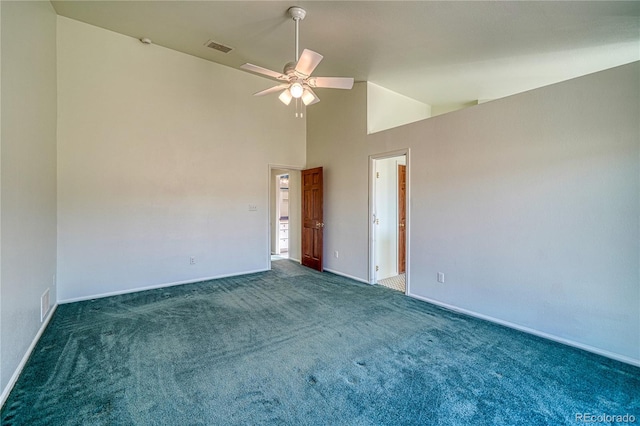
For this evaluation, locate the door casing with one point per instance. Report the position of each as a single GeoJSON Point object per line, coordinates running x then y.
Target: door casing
{"type": "Point", "coordinates": [270, 219]}
{"type": "Point", "coordinates": [372, 203]}
{"type": "Point", "coordinates": [402, 218]}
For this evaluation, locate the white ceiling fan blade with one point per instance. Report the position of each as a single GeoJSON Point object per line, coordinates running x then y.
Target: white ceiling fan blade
{"type": "Point", "coordinates": [263, 71]}
{"type": "Point", "coordinates": [309, 98]}
{"type": "Point", "coordinates": [308, 61]}
{"type": "Point", "coordinates": [273, 89]}
{"type": "Point", "coordinates": [331, 82]}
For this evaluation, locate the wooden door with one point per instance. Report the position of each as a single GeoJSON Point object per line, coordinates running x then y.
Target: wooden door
{"type": "Point", "coordinates": [402, 222]}
{"type": "Point", "coordinates": [312, 222]}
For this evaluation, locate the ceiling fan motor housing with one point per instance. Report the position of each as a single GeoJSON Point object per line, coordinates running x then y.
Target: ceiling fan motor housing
{"type": "Point", "coordinates": [289, 69]}
{"type": "Point", "coordinates": [297, 13]}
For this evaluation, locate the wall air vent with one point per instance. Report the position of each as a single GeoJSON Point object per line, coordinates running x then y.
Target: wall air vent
{"type": "Point", "coordinates": [217, 46]}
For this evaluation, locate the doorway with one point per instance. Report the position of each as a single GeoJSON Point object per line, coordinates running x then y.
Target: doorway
{"type": "Point", "coordinates": [284, 213]}
{"type": "Point", "coordinates": [388, 246]}
{"type": "Point", "coordinates": [282, 216]}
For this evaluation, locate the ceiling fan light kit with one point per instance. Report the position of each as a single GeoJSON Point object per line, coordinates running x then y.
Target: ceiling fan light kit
{"type": "Point", "coordinates": [297, 75]}
{"type": "Point", "coordinates": [296, 90]}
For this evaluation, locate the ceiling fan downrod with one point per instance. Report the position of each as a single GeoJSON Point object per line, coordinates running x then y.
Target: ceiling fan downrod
{"type": "Point", "coordinates": [298, 14]}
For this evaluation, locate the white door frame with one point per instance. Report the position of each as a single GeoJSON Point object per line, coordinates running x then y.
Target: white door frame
{"type": "Point", "coordinates": [278, 204]}
{"type": "Point", "coordinates": [372, 204]}
{"type": "Point", "coordinates": [269, 201]}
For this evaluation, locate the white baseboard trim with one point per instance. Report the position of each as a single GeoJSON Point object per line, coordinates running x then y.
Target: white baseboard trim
{"type": "Point", "coordinates": [568, 342]}
{"type": "Point", "coordinates": [156, 286]}
{"type": "Point", "coordinates": [14, 378]}
{"type": "Point", "coordinates": [346, 276]}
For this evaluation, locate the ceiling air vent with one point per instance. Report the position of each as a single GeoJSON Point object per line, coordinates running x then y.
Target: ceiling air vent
{"type": "Point", "coordinates": [217, 46]}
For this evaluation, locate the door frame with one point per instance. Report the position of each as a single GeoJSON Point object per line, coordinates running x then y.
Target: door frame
{"type": "Point", "coordinates": [271, 167]}
{"type": "Point", "coordinates": [402, 219]}
{"type": "Point", "coordinates": [278, 204]}
{"type": "Point", "coordinates": [372, 203]}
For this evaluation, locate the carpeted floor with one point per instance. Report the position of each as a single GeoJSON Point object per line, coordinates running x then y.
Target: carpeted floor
{"type": "Point", "coordinates": [295, 347]}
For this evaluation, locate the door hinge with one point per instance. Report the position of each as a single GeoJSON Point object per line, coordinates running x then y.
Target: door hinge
{"type": "Point", "coordinates": [377, 268]}
{"type": "Point", "coordinates": [377, 175]}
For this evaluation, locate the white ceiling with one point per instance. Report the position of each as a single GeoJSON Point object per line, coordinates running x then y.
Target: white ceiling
{"type": "Point", "coordinates": [438, 52]}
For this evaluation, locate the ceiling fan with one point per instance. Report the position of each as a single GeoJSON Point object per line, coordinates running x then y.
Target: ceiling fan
{"type": "Point", "coordinates": [298, 82]}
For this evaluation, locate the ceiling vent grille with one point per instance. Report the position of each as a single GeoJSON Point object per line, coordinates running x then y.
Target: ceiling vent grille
{"type": "Point", "coordinates": [217, 46]}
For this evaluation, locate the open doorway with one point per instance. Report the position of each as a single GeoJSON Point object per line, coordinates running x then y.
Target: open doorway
{"type": "Point", "coordinates": [389, 222]}
{"type": "Point", "coordinates": [282, 217]}
{"type": "Point", "coordinates": [284, 213]}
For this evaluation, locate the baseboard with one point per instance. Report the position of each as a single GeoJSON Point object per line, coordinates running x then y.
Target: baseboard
{"type": "Point", "coordinates": [568, 342]}
{"type": "Point", "coordinates": [156, 286]}
{"type": "Point", "coordinates": [14, 378]}
{"type": "Point", "coordinates": [346, 276]}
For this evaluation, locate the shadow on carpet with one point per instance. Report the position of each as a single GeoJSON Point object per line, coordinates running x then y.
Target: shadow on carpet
{"type": "Point", "coordinates": [296, 347]}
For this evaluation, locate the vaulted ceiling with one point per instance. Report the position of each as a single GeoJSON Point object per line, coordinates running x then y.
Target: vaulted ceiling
{"type": "Point", "coordinates": [440, 53]}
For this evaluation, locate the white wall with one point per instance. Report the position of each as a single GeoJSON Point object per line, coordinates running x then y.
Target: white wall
{"type": "Point", "coordinates": [529, 204]}
{"type": "Point", "coordinates": [159, 156]}
{"type": "Point", "coordinates": [27, 176]}
{"type": "Point", "coordinates": [387, 109]}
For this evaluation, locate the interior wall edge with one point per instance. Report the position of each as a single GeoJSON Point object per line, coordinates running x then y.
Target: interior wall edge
{"type": "Point", "coordinates": [14, 377]}
{"type": "Point", "coordinates": [156, 286]}
{"type": "Point", "coordinates": [342, 274]}
{"type": "Point", "coordinates": [532, 331]}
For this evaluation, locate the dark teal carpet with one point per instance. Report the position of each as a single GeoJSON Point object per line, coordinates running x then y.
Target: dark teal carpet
{"type": "Point", "coordinates": [296, 347]}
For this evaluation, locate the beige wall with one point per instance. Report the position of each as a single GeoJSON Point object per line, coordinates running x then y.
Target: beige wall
{"type": "Point", "coordinates": [387, 109]}
{"type": "Point", "coordinates": [529, 205]}
{"type": "Point", "coordinates": [27, 176]}
{"type": "Point", "coordinates": [159, 156]}
{"type": "Point", "coordinates": [337, 141]}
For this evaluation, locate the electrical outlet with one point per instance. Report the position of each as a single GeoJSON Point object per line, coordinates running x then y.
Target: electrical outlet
{"type": "Point", "coordinates": [335, 254]}
{"type": "Point", "coordinates": [192, 260]}
{"type": "Point", "coordinates": [441, 277]}
{"type": "Point", "coordinates": [253, 207]}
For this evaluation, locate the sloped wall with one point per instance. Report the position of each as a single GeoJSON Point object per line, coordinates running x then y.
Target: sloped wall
{"type": "Point", "coordinates": [529, 204]}
{"type": "Point", "coordinates": [387, 109]}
